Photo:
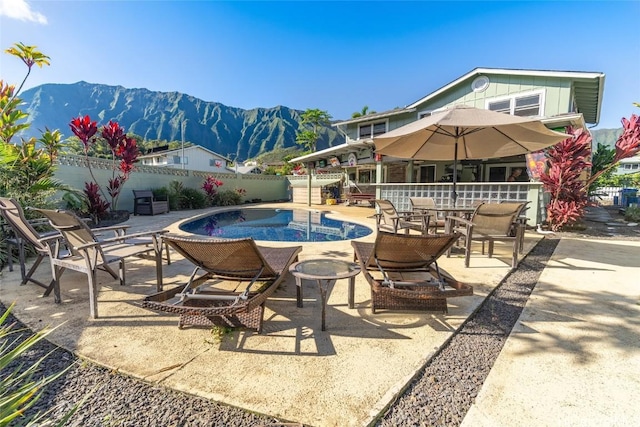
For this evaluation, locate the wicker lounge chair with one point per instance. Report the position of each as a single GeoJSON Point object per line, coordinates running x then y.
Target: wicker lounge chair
{"type": "Point", "coordinates": [238, 277]}
{"type": "Point", "coordinates": [89, 254]}
{"type": "Point", "coordinates": [391, 220]}
{"type": "Point", "coordinates": [403, 272]}
{"type": "Point", "coordinates": [491, 222]}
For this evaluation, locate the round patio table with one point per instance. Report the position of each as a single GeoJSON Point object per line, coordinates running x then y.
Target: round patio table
{"type": "Point", "coordinates": [325, 272]}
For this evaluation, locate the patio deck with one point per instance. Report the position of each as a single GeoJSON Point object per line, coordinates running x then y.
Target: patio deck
{"type": "Point", "coordinates": [292, 370]}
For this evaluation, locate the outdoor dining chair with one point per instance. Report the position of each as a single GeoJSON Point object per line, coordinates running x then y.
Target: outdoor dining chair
{"type": "Point", "coordinates": [391, 220]}
{"type": "Point", "coordinates": [89, 253]}
{"type": "Point", "coordinates": [236, 278]}
{"type": "Point", "coordinates": [490, 223]}
{"type": "Point", "coordinates": [403, 272]}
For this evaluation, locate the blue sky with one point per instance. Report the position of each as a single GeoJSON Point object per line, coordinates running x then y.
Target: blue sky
{"type": "Point", "coordinates": [335, 56]}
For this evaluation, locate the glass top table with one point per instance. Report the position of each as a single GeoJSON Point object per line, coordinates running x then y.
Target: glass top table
{"type": "Point", "coordinates": [325, 272]}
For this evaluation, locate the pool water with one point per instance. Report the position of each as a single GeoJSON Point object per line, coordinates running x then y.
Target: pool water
{"type": "Point", "coordinates": [276, 225]}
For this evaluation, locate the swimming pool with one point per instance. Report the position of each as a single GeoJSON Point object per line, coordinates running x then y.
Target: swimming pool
{"type": "Point", "coordinates": [276, 225]}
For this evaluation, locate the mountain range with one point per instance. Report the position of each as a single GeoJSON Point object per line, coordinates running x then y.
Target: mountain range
{"type": "Point", "coordinates": [229, 131]}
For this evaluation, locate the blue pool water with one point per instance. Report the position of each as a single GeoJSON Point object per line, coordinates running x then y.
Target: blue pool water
{"type": "Point", "coordinates": [279, 225]}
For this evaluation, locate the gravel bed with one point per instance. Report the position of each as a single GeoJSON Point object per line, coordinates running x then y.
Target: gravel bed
{"type": "Point", "coordinates": [440, 395]}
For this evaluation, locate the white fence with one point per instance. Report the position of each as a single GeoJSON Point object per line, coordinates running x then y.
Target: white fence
{"type": "Point", "coordinates": [605, 195]}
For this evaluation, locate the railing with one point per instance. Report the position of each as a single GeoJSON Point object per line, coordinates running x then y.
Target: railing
{"type": "Point", "coordinates": [468, 195]}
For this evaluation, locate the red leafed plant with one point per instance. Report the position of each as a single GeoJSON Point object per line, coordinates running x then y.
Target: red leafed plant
{"type": "Point", "coordinates": [568, 195]}
{"type": "Point", "coordinates": [124, 154]}
{"type": "Point", "coordinates": [568, 159]}
{"type": "Point", "coordinates": [627, 145]}
{"type": "Point", "coordinates": [210, 187]}
{"type": "Point", "coordinates": [97, 206]}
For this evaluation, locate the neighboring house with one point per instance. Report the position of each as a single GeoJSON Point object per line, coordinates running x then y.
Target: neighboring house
{"type": "Point", "coordinates": [246, 168]}
{"type": "Point", "coordinates": [557, 98]}
{"type": "Point", "coordinates": [194, 157]}
{"type": "Point", "coordinates": [629, 165]}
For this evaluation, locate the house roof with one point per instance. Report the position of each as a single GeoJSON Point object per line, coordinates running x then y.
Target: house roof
{"type": "Point", "coordinates": [374, 116]}
{"type": "Point", "coordinates": [588, 88]}
{"type": "Point", "coordinates": [347, 147]}
{"type": "Point", "coordinates": [178, 151]}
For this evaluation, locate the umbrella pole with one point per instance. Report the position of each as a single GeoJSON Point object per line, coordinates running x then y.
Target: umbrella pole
{"type": "Point", "coordinates": [454, 194]}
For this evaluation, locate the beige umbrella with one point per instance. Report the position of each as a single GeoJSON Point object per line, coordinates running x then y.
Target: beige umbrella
{"type": "Point", "coordinates": [463, 132]}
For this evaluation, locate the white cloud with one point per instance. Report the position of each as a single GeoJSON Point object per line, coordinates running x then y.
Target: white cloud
{"type": "Point", "coordinates": [20, 10]}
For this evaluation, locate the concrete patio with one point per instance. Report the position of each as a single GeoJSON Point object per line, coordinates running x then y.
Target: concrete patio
{"type": "Point", "coordinates": [296, 372]}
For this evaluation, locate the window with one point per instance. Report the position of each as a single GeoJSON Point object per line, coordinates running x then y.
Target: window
{"type": "Point", "coordinates": [426, 173]}
{"type": "Point", "coordinates": [523, 105]}
{"type": "Point", "coordinates": [370, 130]}
{"type": "Point", "coordinates": [176, 160]}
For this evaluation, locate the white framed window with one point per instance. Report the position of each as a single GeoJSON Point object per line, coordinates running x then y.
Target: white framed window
{"type": "Point", "coordinates": [427, 113]}
{"type": "Point", "coordinates": [523, 104]}
{"type": "Point", "coordinates": [369, 130]}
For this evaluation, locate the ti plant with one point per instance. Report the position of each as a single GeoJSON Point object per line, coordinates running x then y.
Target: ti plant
{"type": "Point", "coordinates": [567, 160]}
{"type": "Point", "coordinates": [124, 154]}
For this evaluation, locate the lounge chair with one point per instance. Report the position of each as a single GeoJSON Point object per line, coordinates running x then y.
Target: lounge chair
{"type": "Point", "coordinates": [391, 220]}
{"type": "Point", "coordinates": [403, 272]}
{"type": "Point", "coordinates": [24, 233]}
{"type": "Point", "coordinates": [491, 222]}
{"type": "Point", "coordinates": [89, 254]}
{"type": "Point", "coordinates": [237, 278]}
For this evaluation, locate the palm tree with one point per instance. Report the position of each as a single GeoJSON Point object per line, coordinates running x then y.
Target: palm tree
{"type": "Point", "coordinates": [363, 112]}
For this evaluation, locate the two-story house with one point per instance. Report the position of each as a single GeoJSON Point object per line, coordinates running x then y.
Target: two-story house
{"type": "Point", "coordinates": [557, 98]}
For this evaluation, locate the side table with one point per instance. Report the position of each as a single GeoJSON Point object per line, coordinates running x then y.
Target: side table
{"type": "Point", "coordinates": [325, 272]}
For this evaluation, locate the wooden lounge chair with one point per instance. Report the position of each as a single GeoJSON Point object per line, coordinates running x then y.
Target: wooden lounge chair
{"type": "Point", "coordinates": [89, 254]}
{"type": "Point", "coordinates": [238, 277]}
{"type": "Point", "coordinates": [391, 220]}
{"type": "Point", "coordinates": [491, 222]}
{"type": "Point", "coordinates": [403, 272]}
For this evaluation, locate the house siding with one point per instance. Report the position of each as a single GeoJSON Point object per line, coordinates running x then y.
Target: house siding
{"type": "Point", "coordinates": [557, 97]}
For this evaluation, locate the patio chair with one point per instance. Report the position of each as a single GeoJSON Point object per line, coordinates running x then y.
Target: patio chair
{"type": "Point", "coordinates": [427, 205]}
{"type": "Point", "coordinates": [403, 272]}
{"type": "Point", "coordinates": [89, 254]}
{"type": "Point", "coordinates": [391, 220]}
{"type": "Point", "coordinates": [23, 233]}
{"type": "Point", "coordinates": [237, 278]}
{"type": "Point", "coordinates": [145, 203]}
{"type": "Point", "coordinates": [491, 222]}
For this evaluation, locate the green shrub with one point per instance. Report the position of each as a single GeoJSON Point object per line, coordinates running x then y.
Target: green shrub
{"type": "Point", "coordinates": [227, 198]}
{"type": "Point", "coordinates": [632, 214]}
{"type": "Point", "coordinates": [163, 193]}
{"type": "Point", "coordinates": [193, 199]}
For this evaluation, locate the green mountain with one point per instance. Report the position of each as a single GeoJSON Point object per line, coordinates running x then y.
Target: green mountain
{"type": "Point", "coordinates": [606, 137]}
{"type": "Point", "coordinates": [228, 131]}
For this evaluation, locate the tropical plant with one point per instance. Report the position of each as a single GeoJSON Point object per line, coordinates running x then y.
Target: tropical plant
{"type": "Point", "coordinates": [568, 197]}
{"type": "Point", "coordinates": [210, 188]}
{"type": "Point", "coordinates": [20, 387]}
{"type": "Point", "coordinates": [601, 159]}
{"type": "Point", "coordinates": [124, 154]}
{"type": "Point", "coordinates": [363, 112]}
{"type": "Point", "coordinates": [632, 213]}
{"type": "Point", "coordinates": [627, 145]}
{"type": "Point", "coordinates": [316, 118]}
{"type": "Point", "coordinates": [228, 198]}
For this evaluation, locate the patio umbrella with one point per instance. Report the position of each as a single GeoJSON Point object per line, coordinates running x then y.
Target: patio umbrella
{"type": "Point", "coordinates": [462, 133]}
